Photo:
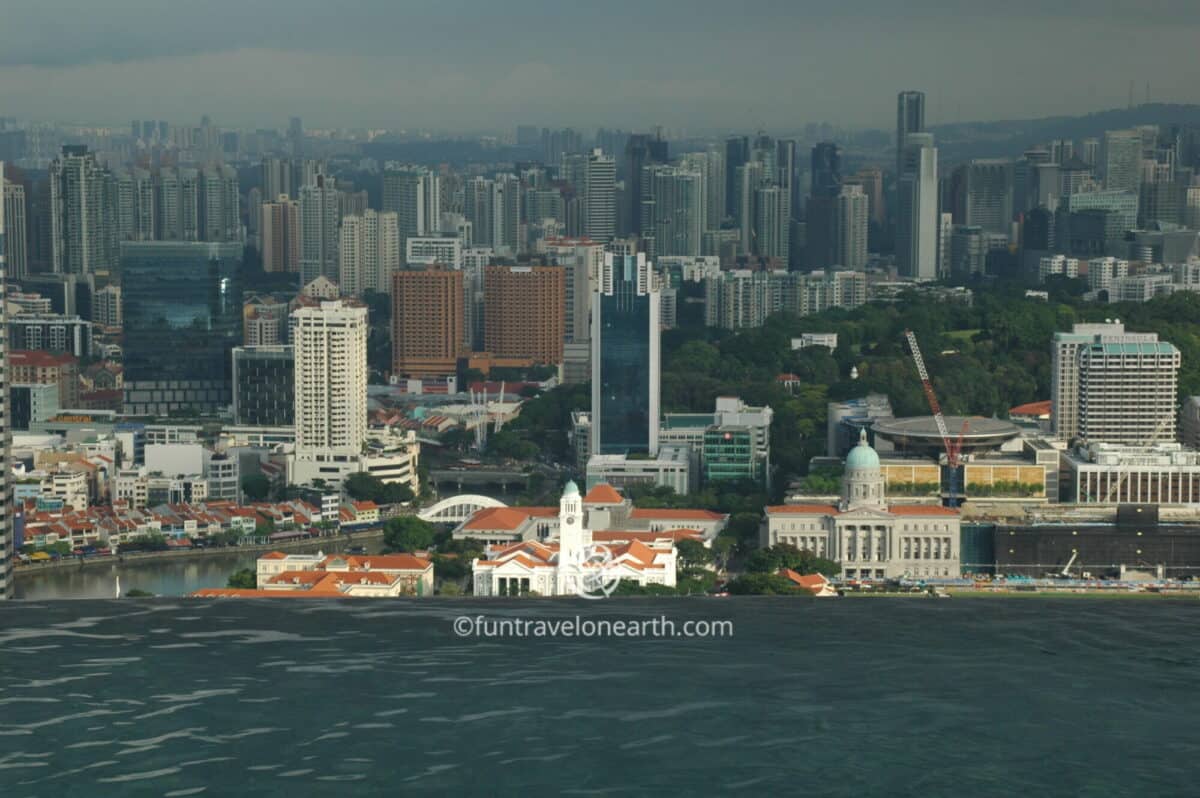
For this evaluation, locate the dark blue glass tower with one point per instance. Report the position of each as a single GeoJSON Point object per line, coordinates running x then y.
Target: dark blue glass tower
{"type": "Point", "coordinates": [625, 359]}
{"type": "Point", "coordinates": [182, 309]}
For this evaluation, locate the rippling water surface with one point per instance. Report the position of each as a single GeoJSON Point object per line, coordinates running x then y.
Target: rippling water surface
{"type": "Point", "coordinates": [854, 697]}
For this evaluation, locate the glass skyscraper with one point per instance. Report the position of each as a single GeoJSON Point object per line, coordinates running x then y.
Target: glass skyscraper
{"type": "Point", "coordinates": [626, 354]}
{"type": "Point", "coordinates": [182, 308]}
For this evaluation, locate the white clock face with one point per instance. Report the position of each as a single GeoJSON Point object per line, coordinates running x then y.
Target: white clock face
{"type": "Point", "coordinates": [570, 519]}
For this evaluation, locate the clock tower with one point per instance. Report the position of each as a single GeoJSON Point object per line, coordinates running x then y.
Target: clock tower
{"type": "Point", "coordinates": [572, 537]}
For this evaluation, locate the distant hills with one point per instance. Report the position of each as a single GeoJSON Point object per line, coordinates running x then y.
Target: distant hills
{"type": "Point", "coordinates": [1011, 137]}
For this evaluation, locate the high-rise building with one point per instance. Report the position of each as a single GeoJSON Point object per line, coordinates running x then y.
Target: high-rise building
{"type": "Point", "coordinates": [279, 232]}
{"type": "Point", "coordinates": [750, 178]}
{"type": "Point", "coordinates": [910, 118]}
{"type": "Point", "coordinates": [16, 250]}
{"type": "Point", "coordinates": [710, 164]}
{"type": "Point", "coordinates": [917, 212]}
{"type": "Point", "coordinates": [319, 208]}
{"type": "Point", "coordinates": [523, 313]}
{"type": "Point", "coordinates": [987, 196]}
{"type": "Point", "coordinates": [277, 178]}
{"type": "Point", "coordinates": [264, 386]}
{"type": "Point", "coordinates": [737, 154]}
{"type": "Point", "coordinates": [369, 252]}
{"type": "Point", "coordinates": [1112, 386]}
{"type": "Point", "coordinates": [79, 216]}
{"type": "Point", "coordinates": [968, 251]}
{"type": "Point", "coordinates": [218, 210]}
{"type": "Point", "coordinates": [6, 504]}
{"type": "Point", "coordinates": [493, 207]}
{"type": "Point", "coordinates": [626, 359]}
{"type": "Point", "coordinates": [850, 228]}
{"type": "Point", "coordinates": [182, 317]}
{"type": "Point", "coordinates": [821, 211]}
{"type": "Point", "coordinates": [673, 211]}
{"type": "Point", "coordinates": [428, 330]}
{"type": "Point", "coordinates": [871, 181]}
{"type": "Point", "coordinates": [1128, 392]}
{"type": "Point", "coordinates": [296, 136]}
{"type": "Point", "coordinates": [1122, 160]}
{"type": "Point", "coordinates": [771, 234]}
{"type": "Point", "coordinates": [641, 151]}
{"type": "Point", "coordinates": [600, 197]}
{"type": "Point", "coordinates": [330, 344]}
{"type": "Point", "coordinates": [414, 195]}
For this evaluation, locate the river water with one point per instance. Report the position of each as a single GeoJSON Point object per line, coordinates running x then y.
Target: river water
{"type": "Point", "coordinates": [854, 697]}
{"type": "Point", "coordinates": [166, 576]}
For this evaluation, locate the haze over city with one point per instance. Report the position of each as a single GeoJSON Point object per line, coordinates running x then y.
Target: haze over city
{"type": "Point", "coordinates": [624, 398]}
{"type": "Point", "coordinates": [475, 66]}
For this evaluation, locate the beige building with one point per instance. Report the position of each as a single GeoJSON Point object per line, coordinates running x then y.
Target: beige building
{"type": "Point", "coordinates": [870, 538]}
{"type": "Point", "coordinates": [280, 235]}
{"type": "Point", "coordinates": [330, 344]}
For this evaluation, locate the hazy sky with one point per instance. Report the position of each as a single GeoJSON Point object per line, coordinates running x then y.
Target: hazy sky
{"type": "Point", "coordinates": [490, 64]}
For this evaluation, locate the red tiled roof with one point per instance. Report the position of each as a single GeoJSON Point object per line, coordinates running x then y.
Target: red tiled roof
{"type": "Point", "coordinates": [603, 493]}
{"type": "Point", "coordinates": [802, 509]}
{"type": "Point", "coordinates": [812, 582]}
{"type": "Point", "coordinates": [1042, 408]}
{"type": "Point", "coordinates": [507, 518]}
{"type": "Point", "coordinates": [39, 358]}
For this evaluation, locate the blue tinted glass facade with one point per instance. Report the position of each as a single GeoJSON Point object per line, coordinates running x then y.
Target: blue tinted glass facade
{"type": "Point", "coordinates": [624, 368]}
{"type": "Point", "coordinates": [182, 308]}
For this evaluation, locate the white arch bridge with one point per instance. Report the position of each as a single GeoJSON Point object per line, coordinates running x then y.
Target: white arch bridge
{"type": "Point", "coordinates": [456, 509]}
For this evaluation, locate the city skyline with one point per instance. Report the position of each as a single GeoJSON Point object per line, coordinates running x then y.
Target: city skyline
{"type": "Point", "coordinates": [373, 64]}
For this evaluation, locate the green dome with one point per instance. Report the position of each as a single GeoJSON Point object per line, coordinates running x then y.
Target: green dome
{"type": "Point", "coordinates": [572, 489]}
{"type": "Point", "coordinates": [862, 456]}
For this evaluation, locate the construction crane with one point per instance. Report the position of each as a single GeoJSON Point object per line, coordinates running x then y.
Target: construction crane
{"type": "Point", "coordinates": [953, 448]}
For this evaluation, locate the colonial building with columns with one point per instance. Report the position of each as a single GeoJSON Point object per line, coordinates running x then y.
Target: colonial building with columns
{"type": "Point", "coordinates": [871, 539]}
{"type": "Point", "coordinates": [557, 567]}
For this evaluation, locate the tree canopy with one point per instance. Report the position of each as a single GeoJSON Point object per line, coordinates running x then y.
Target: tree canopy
{"type": "Point", "coordinates": [408, 533]}
{"type": "Point", "coordinates": [368, 487]}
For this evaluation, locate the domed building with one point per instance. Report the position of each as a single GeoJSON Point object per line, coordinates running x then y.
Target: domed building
{"type": "Point", "coordinates": [870, 538]}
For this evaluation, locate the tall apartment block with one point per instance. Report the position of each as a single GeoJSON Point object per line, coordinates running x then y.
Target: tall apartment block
{"type": "Point", "coordinates": [330, 345]}
{"type": "Point", "coordinates": [428, 331]}
{"type": "Point", "coordinates": [523, 314]}
{"type": "Point", "coordinates": [279, 228]}
{"type": "Point", "coordinates": [1113, 386]}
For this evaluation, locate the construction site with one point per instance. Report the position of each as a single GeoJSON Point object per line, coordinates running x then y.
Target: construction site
{"type": "Point", "coordinates": [1074, 514]}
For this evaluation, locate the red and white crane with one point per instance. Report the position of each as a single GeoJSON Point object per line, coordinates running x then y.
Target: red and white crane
{"type": "Point", "coordinates": [953, 448]}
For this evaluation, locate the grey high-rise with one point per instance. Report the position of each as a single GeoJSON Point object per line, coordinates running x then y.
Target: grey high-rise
{"type": "Point", "coordinates": [6, 505]}
{"type": "Point", "coordinates": [910, 118]}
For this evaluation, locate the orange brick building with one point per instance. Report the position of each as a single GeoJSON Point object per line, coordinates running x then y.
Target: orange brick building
{"type": "Point", "coordinates": [523, 312]}
{"type": "Point", "coordinates": [427, 322]}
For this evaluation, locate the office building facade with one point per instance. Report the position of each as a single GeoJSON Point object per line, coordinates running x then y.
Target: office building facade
{"type": "Point", "coordinates": [917, 212]}
{"type": "Point", "coordinates": [626, 359]}
{"type": "Point", "coordinates": [264, 386]}
{"type": "Point", "coordinates": [523, 313]}
{"type": "Point", "coordinates": [182, 317]}
{"type": "Point", "coordinates": [428, 329]}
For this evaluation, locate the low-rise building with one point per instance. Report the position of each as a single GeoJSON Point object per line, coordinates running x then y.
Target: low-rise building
{"type": "Point", "coordinates": [870, 538]}
{"type": "Point", "coordinates": [672, 468]}
{"type": "Point", "coordinates": [375, 575]}
{"type": "Point", "coordinates": [604, 510]}
{"type": "Point", "coordinates": [1165, 473]}
{"type": "Point", "coordinates": [567, 564]}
